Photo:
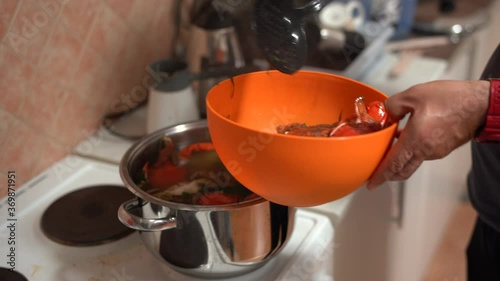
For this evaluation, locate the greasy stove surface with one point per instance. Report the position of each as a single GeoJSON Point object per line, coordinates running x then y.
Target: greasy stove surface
{"type": "Point", "coordinates": [87, 216]}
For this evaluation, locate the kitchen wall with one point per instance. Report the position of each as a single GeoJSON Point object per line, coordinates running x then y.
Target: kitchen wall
{"type": "Point", "coordinates": [63, 65]}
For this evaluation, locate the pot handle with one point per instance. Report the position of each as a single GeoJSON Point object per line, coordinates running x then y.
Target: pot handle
{"type": "Point", "coordinates": [142, 224]}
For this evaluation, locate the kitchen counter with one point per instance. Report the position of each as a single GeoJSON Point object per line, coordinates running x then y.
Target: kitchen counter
{"type": "Point", "coordinates": [103, 146]}
{"type": "Point", "coordinates": [109, 147]}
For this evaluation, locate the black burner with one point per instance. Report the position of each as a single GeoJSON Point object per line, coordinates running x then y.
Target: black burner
{"type": "Point", "coordinates": [87, 216]}
{"type": "Point", "coordinates": [9, 275]}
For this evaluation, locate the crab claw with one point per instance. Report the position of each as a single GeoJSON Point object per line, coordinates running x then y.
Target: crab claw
{"type": "Point", "coordinates": [376, 110]}
{"type": "Point", "coordinates": [361, 112]}
{"type": "Point", "coordinates": [164, 156]}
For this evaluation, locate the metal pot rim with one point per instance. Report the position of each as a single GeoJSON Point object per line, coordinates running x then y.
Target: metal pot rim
{"type": "Point", "coordinates": [137, 148]}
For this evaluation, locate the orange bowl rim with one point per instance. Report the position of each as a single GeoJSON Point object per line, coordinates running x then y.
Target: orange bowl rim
{"type": "Point", "coordinates": [209, 106]}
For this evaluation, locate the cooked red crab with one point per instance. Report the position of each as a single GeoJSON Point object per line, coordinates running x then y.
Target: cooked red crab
{"type": "Point", "coordinates": [367, 119]}
{"type": "Point", "coordinates": [192, 176]}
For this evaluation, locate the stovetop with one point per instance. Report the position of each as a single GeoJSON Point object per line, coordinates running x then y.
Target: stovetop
{"type": "Point", "coordinates": [307, 256]}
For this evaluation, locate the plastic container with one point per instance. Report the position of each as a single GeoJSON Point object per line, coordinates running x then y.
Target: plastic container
{"type": "Point", "coordinates": [244, 112]}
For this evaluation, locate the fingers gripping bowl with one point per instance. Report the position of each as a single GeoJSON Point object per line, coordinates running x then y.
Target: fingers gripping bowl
{"type": "Point", "coordinates": [244, 112]}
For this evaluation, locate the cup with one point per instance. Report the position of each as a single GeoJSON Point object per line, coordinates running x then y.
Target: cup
{"type": "Point", "coordinates": [348, 16]}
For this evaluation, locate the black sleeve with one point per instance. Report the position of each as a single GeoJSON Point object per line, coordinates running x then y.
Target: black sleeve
{"type": "Point", "coordinates": [492, 69]}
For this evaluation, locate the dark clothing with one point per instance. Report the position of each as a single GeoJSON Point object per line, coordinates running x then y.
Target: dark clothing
{"type": "Point", "coordinates": [483, 253]}
{"type": "Point", "coordinates": [484, 178]}
{"type": "Point", "coordinates": [484, 182]}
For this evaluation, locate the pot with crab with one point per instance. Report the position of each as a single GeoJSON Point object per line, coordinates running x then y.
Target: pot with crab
{"type": "Point", "coordinates": [192, 215]}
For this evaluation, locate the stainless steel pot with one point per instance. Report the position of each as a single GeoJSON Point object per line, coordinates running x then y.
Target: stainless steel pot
{"type": "Point", "coordinates": [205, 241]}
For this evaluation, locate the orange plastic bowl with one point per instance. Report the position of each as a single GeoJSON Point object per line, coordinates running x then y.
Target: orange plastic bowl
{"type": "Point", "coordinates": [244, 112]}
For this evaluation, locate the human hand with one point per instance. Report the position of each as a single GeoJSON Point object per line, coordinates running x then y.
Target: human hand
{"type": "Point", "coordinates": [443, 116]}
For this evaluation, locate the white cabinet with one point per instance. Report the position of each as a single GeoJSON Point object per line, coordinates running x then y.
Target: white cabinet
{"type": "Point", "coordinates": [431, 196]}
{"type": "Point", "coordinates": [384, 236]}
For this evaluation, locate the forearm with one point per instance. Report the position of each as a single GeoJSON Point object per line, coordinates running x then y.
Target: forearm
{"type": "Point", "coordinates": [444, 116]}
{"type": "Point", "coordinates": [480, 94]}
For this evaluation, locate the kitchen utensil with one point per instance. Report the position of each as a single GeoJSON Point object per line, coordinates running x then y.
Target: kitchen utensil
{"type": "Point", "coordinates": [171, 102]}
{"type": "Point", "coordinates": [394, 13]}
{"type": "Point", "coordinates": [114, 122]}
{"type": "Point", "coordinates": [172, 99]}
{"type": "Point", "coordinates": [178, 49]}
{"type": "Point", "coordinates": [348, 16]}
{"type": "Point", "coordinates": [279, 27]}
{"type": "Point", "coordinates": [341, 41]}
{"type": "Point", "coordinates": [243, 114]}
{"type": "Point", "coordinates": [214, 44]}
{"type": "Point", "coordinates": [206, 241]}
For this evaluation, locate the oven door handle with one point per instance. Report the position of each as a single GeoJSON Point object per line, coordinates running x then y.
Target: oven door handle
{"type": "Point", "coordinates": [143, 224]}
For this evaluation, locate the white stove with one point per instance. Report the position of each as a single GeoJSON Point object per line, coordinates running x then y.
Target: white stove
{"type": "Point", "coordinates": [307, 256]}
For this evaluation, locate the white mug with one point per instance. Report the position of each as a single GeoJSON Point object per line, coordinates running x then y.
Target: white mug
{"type": "Point", "coordinates": [166, 109]}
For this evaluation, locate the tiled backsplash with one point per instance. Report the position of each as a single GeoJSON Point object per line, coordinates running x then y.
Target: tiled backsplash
{"type": "Point", "coordinates": [63, 65]}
